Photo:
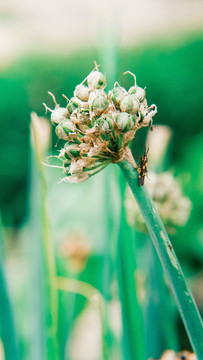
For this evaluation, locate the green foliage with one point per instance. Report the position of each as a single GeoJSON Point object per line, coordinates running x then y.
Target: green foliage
{"type": "Point", "coordinates": [171, 72]}
{"type": "Point", "coordinates": [173, 76]}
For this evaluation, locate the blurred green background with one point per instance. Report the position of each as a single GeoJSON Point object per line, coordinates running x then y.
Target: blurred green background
{"type": "Point", "coordinates": [164, 49]}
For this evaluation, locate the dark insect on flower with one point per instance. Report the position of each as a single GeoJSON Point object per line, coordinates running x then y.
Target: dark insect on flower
{"type": "Point", "coordinates": [142, 169]}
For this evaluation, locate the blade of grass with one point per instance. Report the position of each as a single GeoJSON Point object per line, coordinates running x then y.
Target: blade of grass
{"type": "Point", "coordinates": [7, 328]}
{"type": "Point", "coordinates": [184, 299]}
{"type": "Point", "coordinates": [48, 253]}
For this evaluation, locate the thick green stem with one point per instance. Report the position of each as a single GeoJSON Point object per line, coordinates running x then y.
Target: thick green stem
{"type": "Point", "coordinates": [184, 299]}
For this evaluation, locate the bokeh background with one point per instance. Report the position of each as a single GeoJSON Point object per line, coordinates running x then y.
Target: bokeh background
{"type": "Point", "coordinates": [52, 46]}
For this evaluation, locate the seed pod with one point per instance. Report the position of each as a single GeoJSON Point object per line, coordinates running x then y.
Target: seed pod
{"type": "Point", "coordinates": [139, 94]}
{"type": "Point", "coordinates": [132, 90]}
{"type": "Point", "coordinates": [74, 103]}
{"type": "Point", "coordinates": [96, 80]}
{"type": "Point", "coordinates": [129, 104]}
{"type": "Point", "coordinates": [105, 123]}
{"type": "Point", "coordinates": [58, 115]}
{"type": "Point", "coordinates": [98, 102]}
{"type": "Point", "coordinates": [116, 95]}
{"type": "Point", "coordinates": [125, 122]}
{"type": "Point", "coordinates": [82, 92]}
{"type": "Point", "coordinates": [64, 129]}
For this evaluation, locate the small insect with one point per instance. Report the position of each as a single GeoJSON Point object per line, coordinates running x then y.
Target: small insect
{"type": "Point", "coordinates": [142, 169]}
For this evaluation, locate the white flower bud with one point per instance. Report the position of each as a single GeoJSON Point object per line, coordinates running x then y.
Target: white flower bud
{"type": "Point", "coordinates": [98, 102]}
{"type": "Point", "coordinates": [125, 122]}
{"type": "Point", "coordinates": [58, 115]}
{"type": "Point", "coordinates": [82, 92]}
{"type": "Point", "coordinates": [75, 103]}
{"type": "Point", "coordinates": [138, 92]}
{"type": "Point", "coordinates": [105, 123]}
{"type": "Point", "coordinates": [64, 129]}
{"type": "Point", "coordinates": [129, 104]}
{"type": "Point", "coordinates": [96, 80]}
{"type": "Point", "coordinates": [116, 95]}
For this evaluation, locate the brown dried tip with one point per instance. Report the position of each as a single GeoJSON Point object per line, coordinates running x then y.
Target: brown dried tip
{"type": "Point", "coordinates": [53, 97]}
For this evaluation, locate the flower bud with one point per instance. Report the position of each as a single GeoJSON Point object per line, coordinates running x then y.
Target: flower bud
{"type": "Point", "coordinates": [96, 80]}
{"type": "Point", "coordinates": [105, 123]}
{"type": "Point", "coordinates": [82, 92]}
{"type": "Point", "coordinates": [98, 102]}
{"type": "Point", "coordinates": [116, 95]}
{"type": "Point", "coordinates": [138, 92]}
{"type": "Point", "coordinates": [64, 129]}
{"type": "Point", "coordinates": [58, 115]}
{"type": "Point", "coordinates": [132, 90]}
{"type": "Point", "coordinates": [74, 103]}
{"type": "Point", "coordinates": [125, 121]}
{"type": "Point", "coordinates": [129, 104]}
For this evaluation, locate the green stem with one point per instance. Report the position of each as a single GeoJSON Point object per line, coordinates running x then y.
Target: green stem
{"type": "Point", "coordinates": [48, 253]}
{"type": "Point", "coordinates": [133, 321]}
{"type": "Point", "coordinates": [184, 299]}
{"type": "Point", "coordinates": [7, 328]}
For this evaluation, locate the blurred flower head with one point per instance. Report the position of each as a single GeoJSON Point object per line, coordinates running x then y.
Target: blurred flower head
{"type": "Point", "coordinates": [172, 355]}
{"type": "Point", "coordinates": [76, 250]}
{"type": "Point", "coordinates": [97, 127]}
{"type": "Point", "coordinates": [166, 193]}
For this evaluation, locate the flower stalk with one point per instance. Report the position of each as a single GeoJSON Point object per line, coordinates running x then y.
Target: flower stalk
{"type": "Point", "coordinates": [184, 299]}
{"type": "Point", "coordinates": [96, 129]}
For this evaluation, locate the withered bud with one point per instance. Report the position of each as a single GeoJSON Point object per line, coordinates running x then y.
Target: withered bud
{"type": "Point", "coordinates": [71, 151]}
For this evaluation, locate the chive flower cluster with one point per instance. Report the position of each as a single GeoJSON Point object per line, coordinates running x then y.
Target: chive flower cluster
{"type": "Point", "coordinates": [97, 127]}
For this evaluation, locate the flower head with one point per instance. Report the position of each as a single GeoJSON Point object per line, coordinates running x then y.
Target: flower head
{"type": "Point", "coordinates": [76, 250]}
{"type": "Point", "coordinates": [172, 355]}
{"type": "Point", "coordinates": [97, 127]}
